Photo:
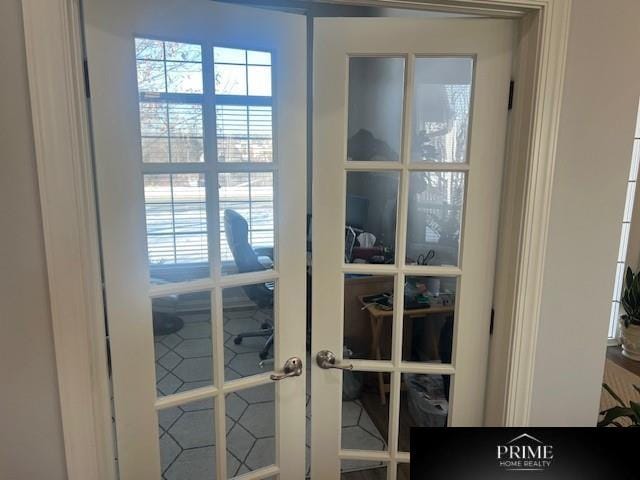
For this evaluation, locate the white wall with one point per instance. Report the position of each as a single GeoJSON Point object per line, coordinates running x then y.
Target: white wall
{"type": "Point", "coordinates": [594, 152]}
{"type": "Point", "coordinates": [31, 446]}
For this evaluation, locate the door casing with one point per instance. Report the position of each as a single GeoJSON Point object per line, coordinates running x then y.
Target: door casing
{"type": "Point", "coordinates": [53, 40]}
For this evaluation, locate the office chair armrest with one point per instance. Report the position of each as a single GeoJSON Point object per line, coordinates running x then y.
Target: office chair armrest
{"type": "Point", "coordinates": [264, 252]}
{"type": "Point", "coordinates": [266, 262]}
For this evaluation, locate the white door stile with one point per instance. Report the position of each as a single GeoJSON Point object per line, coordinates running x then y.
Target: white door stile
{"type": "Point", "coordinates": [111, 27]}
{"type": "Point", "coordinates": [489, 42]}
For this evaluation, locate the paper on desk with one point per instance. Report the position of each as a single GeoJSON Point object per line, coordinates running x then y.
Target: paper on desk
{"type": "Point", "coordinates": [366, 239]}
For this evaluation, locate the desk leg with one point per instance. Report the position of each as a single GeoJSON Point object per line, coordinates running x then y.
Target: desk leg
{"type": "Point", "coordinates": [376, 326]}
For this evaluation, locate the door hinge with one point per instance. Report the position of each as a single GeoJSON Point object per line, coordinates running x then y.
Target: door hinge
{"type": "Point", "coordinates": [85, 72]}
{"type": "Point", "coordinates": [511, 87]}
{"type": "Point", "coordinates": [491, 323]}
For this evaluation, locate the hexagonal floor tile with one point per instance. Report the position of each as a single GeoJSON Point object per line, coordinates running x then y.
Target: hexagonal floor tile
{"type": "Point", "coordinates": [194, 429]}
{"type": "Point", "coordinates": [170, 360]}
{"type": "Point", "coordinates": [259, 419]}
{"type": "Point", "coordinates": [350, 413]}
{"type": "Point", "coordinates": [194, 347]}
{"type": "Point", "coordinates": [194, 369]}
{"type": "Point", "coordinates": [167, 416]}
{"type": "Point", "coordinates": [169, 384]}
{"type": "Point", "coordinates": [169, 450]}
{"type": "Point", "coordinates": [359, 439]}
{"type": "Point", "coordinates": [263, 393]}
{"type": "Point", "coordinates": [239, 441]}
{"type": "Point", "coordinates": [234, 326]}
{"type": "Point", "coordinates": [195, 330]}
{"type": "Point", "coordinates": [196, 464]}
{"type": "Point", "coordinates": [235, 406]}
{"type": "Point", "coordinates": [246, 364]}
{"type": "Point", "coordinates": [262, 454]}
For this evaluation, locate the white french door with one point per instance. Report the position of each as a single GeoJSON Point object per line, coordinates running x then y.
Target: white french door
{"type": "Point", "coordinates": [409, 136]}
{"type": "Point", "coordinates": [198, 113]}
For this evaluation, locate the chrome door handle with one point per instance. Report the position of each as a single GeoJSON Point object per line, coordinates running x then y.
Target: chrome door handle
{"type": "Point", "coordinates": [292, 368]}
{"type": "Point", "coordinates": [327, 359]}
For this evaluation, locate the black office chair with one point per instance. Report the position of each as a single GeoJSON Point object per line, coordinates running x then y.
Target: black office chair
{"type": "Point", "coordinates": [246, 259]}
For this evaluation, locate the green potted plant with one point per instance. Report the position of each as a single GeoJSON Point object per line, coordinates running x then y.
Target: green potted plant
{"type": "Point", "coordinates": [630, 319]}
{"type": "Point", "coordinates": [621, 414]}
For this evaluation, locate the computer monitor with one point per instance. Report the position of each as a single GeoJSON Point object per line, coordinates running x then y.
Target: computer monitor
{"type": "Point", "coordinates": [357, 211]}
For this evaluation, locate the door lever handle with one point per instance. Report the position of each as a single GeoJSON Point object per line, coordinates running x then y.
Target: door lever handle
{"type": "Point", "coordinates": [292, 368]}
{"type": "Point", "coordinates": [327, 359]}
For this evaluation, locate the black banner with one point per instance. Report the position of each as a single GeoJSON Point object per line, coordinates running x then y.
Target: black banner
{"type": "Point", "coordinates": [523, 453]}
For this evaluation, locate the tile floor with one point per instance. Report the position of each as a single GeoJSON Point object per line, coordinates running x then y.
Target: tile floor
{"type": "Point", "coordinates": [187, 433]}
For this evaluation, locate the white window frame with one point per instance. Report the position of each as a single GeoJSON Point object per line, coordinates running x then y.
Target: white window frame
{"type": "Point", "coordinates": [55, 70]}
{"type": "Point", "coordinates": [623, 260]}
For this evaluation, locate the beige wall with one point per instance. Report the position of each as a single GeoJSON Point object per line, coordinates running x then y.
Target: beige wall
{"type": "Point", "coordinates": [594, 152]}
{"type": "Point", "coordinates": [31, 446]}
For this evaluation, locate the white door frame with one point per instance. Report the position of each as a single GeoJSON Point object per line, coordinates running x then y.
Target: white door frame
{"type": "Point", "coordinates": [54, 50]}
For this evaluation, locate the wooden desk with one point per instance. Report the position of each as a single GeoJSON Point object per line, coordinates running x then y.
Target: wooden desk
{"type": "Point", "coordinates": [377, 316]}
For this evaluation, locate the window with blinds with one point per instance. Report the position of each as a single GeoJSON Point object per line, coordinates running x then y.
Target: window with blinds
{"type": "Point", "coordinates": [181, 108]}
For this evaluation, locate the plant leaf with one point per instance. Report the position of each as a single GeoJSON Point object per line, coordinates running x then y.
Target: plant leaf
{"type": "Point", "coordinates": [614, 413]}
{"type": "Point", "coordinates": [613, 394]}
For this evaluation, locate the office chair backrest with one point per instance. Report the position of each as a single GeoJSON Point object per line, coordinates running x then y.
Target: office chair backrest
{"type": "Point", "coordinates": [237, 232]}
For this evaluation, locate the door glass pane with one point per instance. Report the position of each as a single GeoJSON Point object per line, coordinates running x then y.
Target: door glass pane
{"type": "Point", "coordinates": [441, 106]}
{"type": "Point", "coordinates": [370, 217]}
{"type": "Point", "coordinates": [183, 344]}
{"type": "Point", "coordinates": [429, 304]}
{"type": "Point", "coordinates": [363, 470]}
{"type": "Point", "coordinates": [368, 316]}
{"type": "Point", "coordinates": [246, 221]}
{"type": "Point", "coordinates": [424, 402]}
{"type": "Point", "coordinates": [365, 410]}
{"type": "Point", "coordinates": [176, 218]}
{"type": "Point", "coordinates": [376, 95]}
{"type": "Point", "coordinates": [250, 429]}
{"type": "Point", "coordinates": [404, 471]}
{"type": "Point", "coordinates": [248, 329]}
{"type": "Point", "coordinates": [187, 442]}
{"type": "Point", "coordinates": [434, 220]}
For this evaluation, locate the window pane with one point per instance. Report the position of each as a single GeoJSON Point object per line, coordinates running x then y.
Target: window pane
{"type": "Point", "coordinates": [147, 49]}
{"type": "Point", "coordinates": [260, 81]}
{"type": "Point", "coordinates": [258, 58]}
{"type": "Point", "coordinates": [376, 96]}
{"type": "Point", "coordinates": [429, 304]}
{"type": "Point", "coordinates": [187, 441]}
{"type": "Point", "coordinates": [151, 76]}
{"type": "Point", "coordinates": [370, 217]}
{"type": "Point", "coordinates": [155, 150]}
{"type": "Point", "coordinates": [184, 77]}
{"type": "Point", "coordinates": [182, 342]}
{"type": "Point", "coordinates": [181, 122]}
{"type": "Point", "coordinates": [434, 217]}
{"type": "Point", "coordinates": [246, 206]}
{"type": "Point", "coordinates": [168, 66]}
{"type": "Point", "coordinates": [442, 97]}
{"type": "Point", "coordinates": [176, 219]}
{"type": "Point", "coordinates": [244, 133]}
{"type": "Point", "coordinates": [229, 55]}
{"type": "Point", "coordinates": [154, 121]}
{"type": "Point", "coordinates": [183, 52]}
{"type": "Point", "coordinates": [251, 431]}
{"type": "Point", "coordinates": [230, 79]}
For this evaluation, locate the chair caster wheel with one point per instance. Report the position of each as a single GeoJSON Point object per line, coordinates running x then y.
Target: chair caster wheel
{"type": "Point", "coordinates": [237, 340]}
{"type": "Point", "coordinates": [265, 326]}
{"type": "Point", "coordinates": [263, 355]}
